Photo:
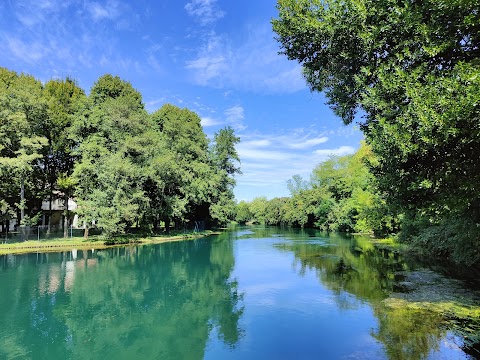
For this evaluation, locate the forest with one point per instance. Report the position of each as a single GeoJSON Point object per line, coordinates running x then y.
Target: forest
{"type": "Point", "coordinates": [408, 72]}
{"type": "Point", "coordinates": [125, 168]}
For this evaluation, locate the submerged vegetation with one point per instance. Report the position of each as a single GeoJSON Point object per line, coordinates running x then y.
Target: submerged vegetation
{"type": "Point", "coordinates": [415, 307]}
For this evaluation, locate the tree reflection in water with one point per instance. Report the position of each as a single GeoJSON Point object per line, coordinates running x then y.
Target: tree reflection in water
{"type": "Point", "coordinates": [356, 271]}
{"type": "Point", "coordinates": [145, 301]}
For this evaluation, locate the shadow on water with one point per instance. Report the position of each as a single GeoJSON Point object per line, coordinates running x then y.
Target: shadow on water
{"type": "Point", "coordinates": [152, 302]}
{"type": "Point", "coordinates": [416, 307]}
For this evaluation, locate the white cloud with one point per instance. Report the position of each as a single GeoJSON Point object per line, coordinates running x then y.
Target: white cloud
{"type": "Point", "coordinates": [256, 154]}
{"type": "Point", "coordinates": [306, 143]}
{"type": "Point", "coordinates": [268, 161]}
{"type": "Point", "coordinates": [154, 104]}
{"type": "Point", "coordinates": [235, 116]}
{"type": "Point", "coordinates": [28, 52]}
{"type": "Point", "coordinates": [257, 143]}
{"type": "Point", "coordinates": [208, 121]}
{"type": "Point", "coordinates": [341, 151]}
{"type": "Point", "coordinates": [207, 68]}
{"type": "Point", "coordinates": [204, 11]}
{"type": "Point", "coordinates": [59, 37]}
{"type": "Point", "coordinates": [109, 11]}
{"type": "Point", "coordinates": [252, 65]}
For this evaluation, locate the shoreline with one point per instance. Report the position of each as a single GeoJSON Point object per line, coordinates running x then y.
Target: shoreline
{"type": "Point", "coordinates": [35, 246]}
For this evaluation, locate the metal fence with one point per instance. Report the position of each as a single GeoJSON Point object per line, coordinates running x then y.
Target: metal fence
{"type": "Point", "coordinates": [40, 233]}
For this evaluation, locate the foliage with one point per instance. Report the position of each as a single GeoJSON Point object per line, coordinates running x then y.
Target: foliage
{"type": "Point", "coordinates": [23, 110]}
{"type": "Point", "coordinates": [242, 212]}
{"type": "Point", "coordinates": [225, 160]}
{"type": "Point", "coordinates": [125, 168]}
{"type": "Point", "coordinates": [412, 69]}
{"type": "Point", "coordinates": [341, 196]}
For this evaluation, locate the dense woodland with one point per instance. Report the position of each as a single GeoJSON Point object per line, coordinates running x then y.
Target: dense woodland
{"type": "Point", "coordinates": [409, 73]}
{"type": "Point", "coordinates": [124, 167]}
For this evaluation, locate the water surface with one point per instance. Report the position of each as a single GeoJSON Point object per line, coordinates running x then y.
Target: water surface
{"type": "Point", "coordinates": [250, 293]}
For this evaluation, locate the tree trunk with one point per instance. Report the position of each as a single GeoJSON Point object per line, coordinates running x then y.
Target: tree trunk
{"type": "Point", "coordinates": [65, 221]}
{"type": "Point", "coordinates": [22, 198]}
{"type": "Point", "coordinates": [85, 232]}
{"type": "Point", "coordinates": [50, 210]}
{"type": "Point", "coordinates": [167, 225]}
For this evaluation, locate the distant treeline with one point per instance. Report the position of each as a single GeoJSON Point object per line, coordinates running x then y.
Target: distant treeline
{"type": "Point", "coordinates": [340, 195]}
{"type": "Point", "coordinates": [123, 166]}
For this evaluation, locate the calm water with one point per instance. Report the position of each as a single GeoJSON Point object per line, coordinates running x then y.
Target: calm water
{"type": "Point", "coordinates": [247, 294]}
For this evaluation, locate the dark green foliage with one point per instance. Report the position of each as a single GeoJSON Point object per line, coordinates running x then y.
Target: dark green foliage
{"type": "Point", "coordinates": [413, 69]}
{"type": "Point", "coordinates": [125, 168]}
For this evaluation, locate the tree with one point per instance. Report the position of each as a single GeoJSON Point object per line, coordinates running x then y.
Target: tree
{"type": "Point", "coordinates": [224, 159]}
{"type": "Point", "coordinates": [185, 179]}
{"type": "Point", "coordinates": [66, 185]}
{"type": "Point", "coordinates": [109, 174]}
{"type": "Point", "coordinates": [258, 208]}
{"type": "Point", "coordinates": [275, 211]}
{"type": "Point", "coordinates": [22, 108]}
{"type": "Point", "coordinates": [412, 68]}
{"type": "Point", "coordinates": [64, 99]}
{"type": "Point", "coordinates": [112, 87]}
{"type": "Point", "coordinates": [242, 212]}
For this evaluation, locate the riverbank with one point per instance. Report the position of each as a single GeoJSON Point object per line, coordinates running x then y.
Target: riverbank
{"type": "Point", "coordinates": [94, 242]}
{"type": "Point", "coordinates": [454, 303]}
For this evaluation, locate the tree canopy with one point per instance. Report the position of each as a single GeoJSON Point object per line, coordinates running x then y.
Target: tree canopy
{"type": "Point", "coordinates": [124, 167]}
{"type": "Point", "coordinates": [411, 69]}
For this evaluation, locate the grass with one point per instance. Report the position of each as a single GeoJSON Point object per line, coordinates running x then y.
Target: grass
{"type": "Point", "coordinates": [93, 242]}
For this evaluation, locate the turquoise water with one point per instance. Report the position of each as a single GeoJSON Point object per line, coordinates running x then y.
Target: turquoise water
{"type": "Point", "coordinates": [247, 294]}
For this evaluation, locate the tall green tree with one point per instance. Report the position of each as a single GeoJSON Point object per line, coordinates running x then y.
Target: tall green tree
{"type": "Point", "coordinates": [64, 100]}
{"type": "Point", "coordinates": [412, 69]}
{"type": "Point", "coordinates": [226, 162]}
{"type": "Point", "coordinates": [185, 178]}
{"type": "Point", "coordinates": [22, 111]}
{"type": "Point", "coordinates": [109, 174]}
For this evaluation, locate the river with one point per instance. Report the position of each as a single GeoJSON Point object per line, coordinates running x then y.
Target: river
{"type": "Point", "coordinates": [250, 293]}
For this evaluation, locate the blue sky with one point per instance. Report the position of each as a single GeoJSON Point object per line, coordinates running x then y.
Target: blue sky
{"type": "Point", "coordinates": [215, 57]}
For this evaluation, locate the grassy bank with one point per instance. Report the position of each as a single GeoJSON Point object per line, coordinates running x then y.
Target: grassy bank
{"type": "Point", "coordinates": [94, 242]}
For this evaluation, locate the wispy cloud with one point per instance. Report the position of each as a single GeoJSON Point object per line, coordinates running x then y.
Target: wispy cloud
{"type": "Point", "coordinates": [306, 143]}
{"type": "Point", "coordinates": [64, 36]}
{"type": "Point", "coordinates": [29, 52]}
{"type": "Point", "coordinates": [268, 161]}
{"type": "Point", "coordinates": [252, 65]}
{"type": "Point", "coordinates": [341, 151]}
{"type": "Point", "coordinates": [207, 68]}
{"type": "Point", "coordinates": [208, 121]}
{"type": "Point", "coordinates": [235, 116]}
{"type": "Point", "coordinates": [204, 11]}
